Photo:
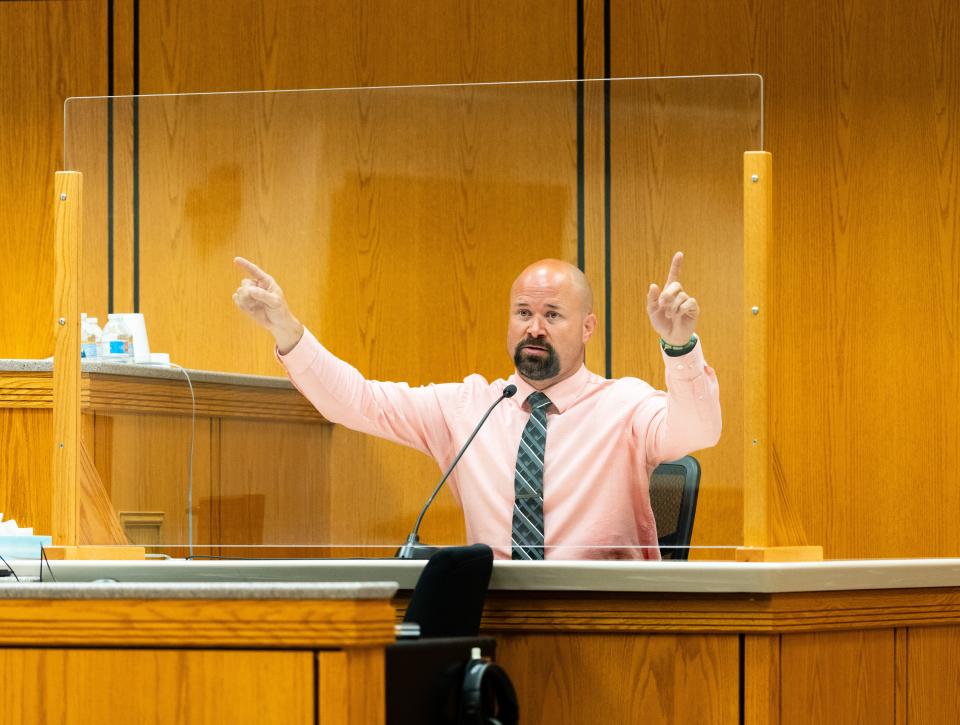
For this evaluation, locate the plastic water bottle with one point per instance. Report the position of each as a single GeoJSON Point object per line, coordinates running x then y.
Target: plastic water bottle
{"type": "Point", "coordinates": [90, 338]}
{"type": "Point", "coordinates": [117, 341]}
{"type": "Point", "coordinates": [83, 334]}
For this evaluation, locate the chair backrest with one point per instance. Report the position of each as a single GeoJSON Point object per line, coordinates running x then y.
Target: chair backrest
{"type": "Point", "coordinates": [449, 596]}
{"type": "Point", "coordinates": [673, 497]}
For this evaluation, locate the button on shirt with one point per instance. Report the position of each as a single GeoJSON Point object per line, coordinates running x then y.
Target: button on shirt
{"type": "Point", "coordinates": [605, 437]}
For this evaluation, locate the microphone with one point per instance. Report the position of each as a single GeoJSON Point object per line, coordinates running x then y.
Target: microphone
{"type": "Point", "coordinates": [413, 549]}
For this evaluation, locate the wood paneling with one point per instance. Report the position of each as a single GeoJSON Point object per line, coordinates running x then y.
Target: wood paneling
{"type": "Point", "coordinates": [761, 680]}
{"type": "Point", "coordinates": [26, 447]}
{"type": "Point", "coordinates": [656, 679]}
{"type": "Point", "coordinates": [143, 461]}
{"type": "Point", "coordinates": [269, 44]}
{"type": "Point", "coordinates": [67, 246]}
{"type": "Point", "coordinates": [376, 491]}
{"type": "Point", "coordinates": [232, 623]}
{"type": "Point", "coordinates": [130, 394]}
{"type": "Point", "coordinates": [837, 678]}
{"type": "Point", "coordinates": [855, 442]}
{"type": "Point", "coordinates": [862, 117]}
{"type": "Point", "coordinates": [50, 50]}
{"type": "Point", "coordinates": [390, 248]}
{"type": "Point", "coordinates": [281, 498]}
{"type": "Point", "coordinates": [26, 390]}
{"type": "Point", "coordinates": [933, 675]}
{"type": "Point", "coordinates": [82, 687]}
{"type": "Point", "coordinates": [350, 687]}
{"type": "Point", "coordinates": [751, 613]}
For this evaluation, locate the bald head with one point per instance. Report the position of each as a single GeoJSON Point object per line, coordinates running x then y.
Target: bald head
{"type": "Point", "coordinates": [558, 275]}
{"type": "Point", "coordinates": [551, 320]}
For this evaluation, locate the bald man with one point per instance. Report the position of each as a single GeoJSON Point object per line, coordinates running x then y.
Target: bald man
{"type": "Point", "coordinates": [560, 470]}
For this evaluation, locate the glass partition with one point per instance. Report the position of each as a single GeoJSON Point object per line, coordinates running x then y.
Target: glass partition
{"type": "Point", "coordinates": [395, 220]}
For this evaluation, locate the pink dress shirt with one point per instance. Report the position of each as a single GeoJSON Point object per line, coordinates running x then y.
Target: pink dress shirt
{"type": "Point", "coordinates": [604, 437]}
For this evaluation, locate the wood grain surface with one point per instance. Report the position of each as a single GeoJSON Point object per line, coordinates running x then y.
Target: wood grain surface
{"type": "Point", "coordinates": [66, 443]}
{"type": "Point", "coordinates": [205, 687]}
{"type": "Point", "coordinates": [26, 390]}
{"type": "Point", "coordinates": [257, 623]}
{"type": "Point", "coordinates": [932, 675]}
{"type": "Point", "coordinates": [837, 678]}
{"type": "Point", "coordinates": [143, 462]}
{"type": "Point", "coordinates": [761, 680]}
{"type": "Point", "coordinates": [50, 50]}
{"type": "Point", "coordinates": [750, 613]}
{"type": "Point", "coordinates": [26, 476]}
{"type": "Point", "coordinates": [862, 119]}
{"type": "Point", "coordinates": [125, 394]}
{"type": "Point", "coordinates": [663, 679]}
{"type": "Point", "coordinates": [350, 687]}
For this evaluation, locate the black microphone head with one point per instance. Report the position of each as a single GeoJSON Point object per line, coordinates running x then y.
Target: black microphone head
{"type": "Point", "coordinates": [510, 391]}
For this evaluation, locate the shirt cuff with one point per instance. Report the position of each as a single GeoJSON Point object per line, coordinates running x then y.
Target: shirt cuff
{"type": "Point", "coordinates": [685, 367]}
{"type": "Point", "coordinates": [303, 354]}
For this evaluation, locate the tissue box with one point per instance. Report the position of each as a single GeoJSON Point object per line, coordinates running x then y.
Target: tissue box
{"type": "Point", "coordinates": [23, 547]}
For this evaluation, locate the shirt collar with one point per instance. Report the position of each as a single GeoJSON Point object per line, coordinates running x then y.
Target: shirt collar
{"type": "Point", "coordinates": [562, 394]}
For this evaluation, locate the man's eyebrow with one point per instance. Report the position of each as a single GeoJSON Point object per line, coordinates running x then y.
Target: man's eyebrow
{"type": "Point", "coordinates": [548, 305]}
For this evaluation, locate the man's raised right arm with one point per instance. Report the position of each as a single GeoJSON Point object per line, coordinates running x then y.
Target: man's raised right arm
{"type": "Point", "coordinates": [395, 411]}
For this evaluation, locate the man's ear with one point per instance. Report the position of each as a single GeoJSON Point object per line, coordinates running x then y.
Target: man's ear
{"type": "Point", "coordinates": [589, 325]}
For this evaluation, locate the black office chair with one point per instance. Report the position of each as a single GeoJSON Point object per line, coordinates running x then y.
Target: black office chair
{"type": "Point", "coordinates": [448, 598]}
{"type": "Point", "coordinates": [437, 679]}
{"type": "Point", "coordinates": [673, 496]}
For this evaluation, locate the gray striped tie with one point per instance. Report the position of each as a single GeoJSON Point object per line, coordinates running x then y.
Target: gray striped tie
{"type": "Point", "coordinates": [528, 482]}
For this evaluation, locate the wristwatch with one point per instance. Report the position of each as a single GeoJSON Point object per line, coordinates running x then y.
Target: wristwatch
{"type": "Point", "coordinates": [678, 350]}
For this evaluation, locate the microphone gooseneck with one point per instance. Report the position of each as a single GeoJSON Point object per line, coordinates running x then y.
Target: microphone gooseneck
{"type": "Point", "coordinates": [413, 549]}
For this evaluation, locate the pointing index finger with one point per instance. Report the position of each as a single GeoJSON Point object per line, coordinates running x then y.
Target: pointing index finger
{"type": "Point", "coordinates": [254, 271]}
{"type": "Point", "coordinates": [675, 266]}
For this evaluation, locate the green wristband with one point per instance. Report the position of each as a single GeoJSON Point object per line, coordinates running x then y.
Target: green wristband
{"type": "Point", "coordinates": [678, 350]}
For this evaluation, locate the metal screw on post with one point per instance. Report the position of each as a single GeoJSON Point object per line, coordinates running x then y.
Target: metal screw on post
{"type": "Point", "coordinates": [62, 321]}
{"type": "Point", "coordinates": [61, 445]}
{"type": "Point", "coordinates": [63, 197]}
{"type": "Point", "coordinates": [755, 310]}
{"type": "Point", "coordinates": [755, 178]}
{"type": "Point", "coordinates": [755, 441]}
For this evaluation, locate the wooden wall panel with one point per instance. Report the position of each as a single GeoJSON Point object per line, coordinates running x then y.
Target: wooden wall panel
{"type": "Point", "coordinates": [579, 679]}
{"type": "Point", "coordinates": [26, 466]}
{"type": "Point", "coordinates": [50, 50]}
{"type": "Point", "coordinates": [862, 119]}
{"type": "Point", "coordinates": [933, 675]}
{"type": "Point", "coordinates": [282, 498]}
{"type": "Point", "coordinates": [143, 463]}
{"type": "Point", "coordinates": [321, 485]}
{"type": "Point", "coordinates": [855, 443]}
{"type": "Point", "coordinates": [92, 686]}
{"type": "Point", "coordinates": [326, 204]}
{"type": "Point", "coordinates": [837, 678]}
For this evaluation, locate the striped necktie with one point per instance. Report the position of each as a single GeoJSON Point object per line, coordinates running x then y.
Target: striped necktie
{"type": "Point", "coordinates": [527, 531]}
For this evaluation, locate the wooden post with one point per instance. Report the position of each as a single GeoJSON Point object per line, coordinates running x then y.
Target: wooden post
{"type": "Point", "coordinates": [757, 453]}
{"type": "Point", "coordinates": [81, 510]}
{"type": "Point", "coordinates": [67, 246]}
{"type": "Point", "coordinates": [757, 229]}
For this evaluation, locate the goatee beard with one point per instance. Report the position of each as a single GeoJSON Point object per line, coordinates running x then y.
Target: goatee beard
{"type": "Point", "coordinates": [537, 367]}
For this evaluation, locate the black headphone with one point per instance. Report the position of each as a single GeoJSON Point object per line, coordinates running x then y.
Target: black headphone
{"type": "Point", "coordinates": [487, 697]}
